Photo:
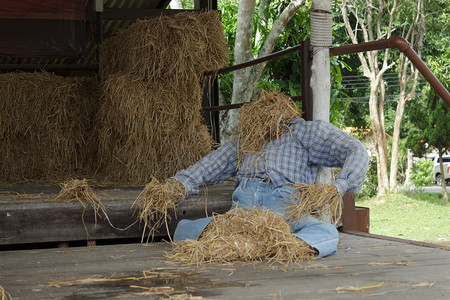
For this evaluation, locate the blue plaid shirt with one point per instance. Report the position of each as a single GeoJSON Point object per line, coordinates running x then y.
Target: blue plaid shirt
{"type": "Point", "coordinates": [293, 158]}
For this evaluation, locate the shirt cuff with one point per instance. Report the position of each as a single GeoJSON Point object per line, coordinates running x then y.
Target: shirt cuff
{"type": "Point", "coordinates": [190, 190]}
{"type": "Point", "coordinates": [342, 186]}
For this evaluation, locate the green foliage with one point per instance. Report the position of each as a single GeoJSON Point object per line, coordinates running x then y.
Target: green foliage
{"type": "Point", "coordinates": [284, 73]}
{"type": "Point", "coordinates": [229, 10]}
{"type": "Point", "coordinates": [338, 107]}
{"type": "Point", "coordinates": [431, 119]}
{"type": "Point", "coordinates": [421, 173]}
{"type": "Point", "coordinates": [370, 186]}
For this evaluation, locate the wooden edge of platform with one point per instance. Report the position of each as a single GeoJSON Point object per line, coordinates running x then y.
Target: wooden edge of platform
{"type": "Point", "coordinates": [395, 239]}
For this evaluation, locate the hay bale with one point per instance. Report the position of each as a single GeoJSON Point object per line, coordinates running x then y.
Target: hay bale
{"type": "Point", "coordinates": [244, 235]}
{"type": "Point", "coordinates": [150, 122]}
{"type": "Point", "coordinates": [177, 46]}
{"type": "Point", "coordinates": [45, 127]}
{"type": "Point", "coordinates": [149, 130]}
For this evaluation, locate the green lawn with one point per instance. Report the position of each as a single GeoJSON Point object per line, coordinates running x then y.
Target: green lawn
{"type": "Point", "coordinates": [414, 216]}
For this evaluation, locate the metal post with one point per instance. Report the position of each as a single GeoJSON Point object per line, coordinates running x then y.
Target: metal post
{"type": "Point", "coordinates": [306, 61]}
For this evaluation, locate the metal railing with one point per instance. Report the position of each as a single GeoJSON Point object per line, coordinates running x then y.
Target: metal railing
{"type": "Point", "coordinates": [404, 46]}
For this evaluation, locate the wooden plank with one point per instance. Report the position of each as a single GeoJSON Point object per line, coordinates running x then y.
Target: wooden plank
{"type": "Point", "coordinates": [29, 215]}
{"type": "Point", "coordinates": [114, 271]}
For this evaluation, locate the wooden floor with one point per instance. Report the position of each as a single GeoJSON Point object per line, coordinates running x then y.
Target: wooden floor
{"type": "Point", "coordinates": [363, 268]}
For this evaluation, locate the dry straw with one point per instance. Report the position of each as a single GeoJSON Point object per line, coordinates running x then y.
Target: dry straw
{"type": "Point", "coordinates": [156, 202]}
{"type": "Point", "coordinates": [176, 46]}
{"type": "Point", "coordinates": [153, 75]}
{"type": "Point", "coordinates": [149, 129]}
{"type": "Point", "coordinates": [45, 127]}
{"type": "Point", "coordinates": [244, 235]}
{"type": "Point", "coordinates": [264, 120]}
{"type": "Point", "coordinates": [4, 295]}
{"type": "Point", "coordinates": [322, 201]}
{"type": "Point", "coordinates": [76, 189]}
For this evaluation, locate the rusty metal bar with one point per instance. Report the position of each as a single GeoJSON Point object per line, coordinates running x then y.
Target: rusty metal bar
{"type": "Point", "coordinates": [222, 107]}
{"type": "Point", "coordinates": [307, 96]}
{"type": "Point", "coordinates": [237, 105]}
{"type": "Point", "coordinates": [404, 46]}
{"type": "Point", "coordinates": [293, 49]}
{"type": "Point", "coordinates": [257, 61]}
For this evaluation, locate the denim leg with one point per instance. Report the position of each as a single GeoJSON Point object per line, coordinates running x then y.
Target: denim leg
{"type": "Point", "coordinates": [322, 236]}
{"type": "Point", "coordinates": [190, 229]}
{"type": "Point", "coordinates": [253, 192]}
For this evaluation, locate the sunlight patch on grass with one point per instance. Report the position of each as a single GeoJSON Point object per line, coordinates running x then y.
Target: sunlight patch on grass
{"type": "Point", "coordinates": [413, 216]}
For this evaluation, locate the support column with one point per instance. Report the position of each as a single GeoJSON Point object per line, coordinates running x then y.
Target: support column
{"type": "Point", "coordinates": [321, 40]}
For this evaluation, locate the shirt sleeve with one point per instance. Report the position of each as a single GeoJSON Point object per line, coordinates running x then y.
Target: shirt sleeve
{"type": "Point", "coordinates": [214, 168]}
{"type": "Point", "coordinates": [329, 146]}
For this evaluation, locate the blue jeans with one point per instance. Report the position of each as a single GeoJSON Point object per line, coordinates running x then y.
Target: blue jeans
{"type": "Point", "coordinates": [254, 192]}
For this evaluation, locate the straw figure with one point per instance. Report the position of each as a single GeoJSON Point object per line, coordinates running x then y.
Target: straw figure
{"type": "Point", "coordinates": [274, 157]}
{"type": "Point", "coordinates": [45, 127]}
{"type": "Point", "coordinates": [153, 75]}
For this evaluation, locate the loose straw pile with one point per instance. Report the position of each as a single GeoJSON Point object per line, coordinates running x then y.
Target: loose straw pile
{"type": "Point", "coordinates": [264, 120]}
{"type": "Point", "coordinates": [80, 190]}
{"type": "Point", "coordinates": [320, 201]}
{"type": "Point", "coordinates": [156, 202]}
{"type": "Point", "coordinates": [244, 235]}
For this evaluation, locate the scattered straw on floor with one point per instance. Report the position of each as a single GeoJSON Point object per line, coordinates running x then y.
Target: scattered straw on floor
{"type": "Point", "coordinates": [320, 201]}
{"type": "Point", "coordinates": [244, 235]}
{"type": "Point", "coordinates": [156, 202]}
{"type": "Point", "coordinates": [263, 120]}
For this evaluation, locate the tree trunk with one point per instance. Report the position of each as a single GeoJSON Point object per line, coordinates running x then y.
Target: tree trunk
{"type": "Point", "coordinates": [176, 4]}
{"type": "Point", "coordinates": [443, 182]}
{"type": "Point", "coordinates": [379, 136]}
{"type": "Point", "coordinates": [395, 141]}
{"type": "Point", "coordinates": [416, 31]}
{"type": "Point", "coordinates": [242, 53]}
{"type": "Point", "coordinates": [370, 26]}
{"type": "Point", "coordinates": [245, 80]}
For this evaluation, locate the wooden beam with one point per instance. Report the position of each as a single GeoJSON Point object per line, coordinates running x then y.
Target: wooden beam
{"type": "Point", "coordinates": [29, 215]}
{"type": "Point", "coordinates": [137, 13]}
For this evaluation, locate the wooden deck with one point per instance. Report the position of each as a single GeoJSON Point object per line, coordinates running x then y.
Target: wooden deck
{"type": "Point", "coordinates": [363, 268]}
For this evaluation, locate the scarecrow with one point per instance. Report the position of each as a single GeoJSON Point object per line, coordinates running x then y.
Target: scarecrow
{"type": "Point", "coordinates": [275, 156]}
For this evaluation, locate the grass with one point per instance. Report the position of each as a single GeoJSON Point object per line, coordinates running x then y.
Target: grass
{"type": "Point", "coordinates": [413, 216]}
